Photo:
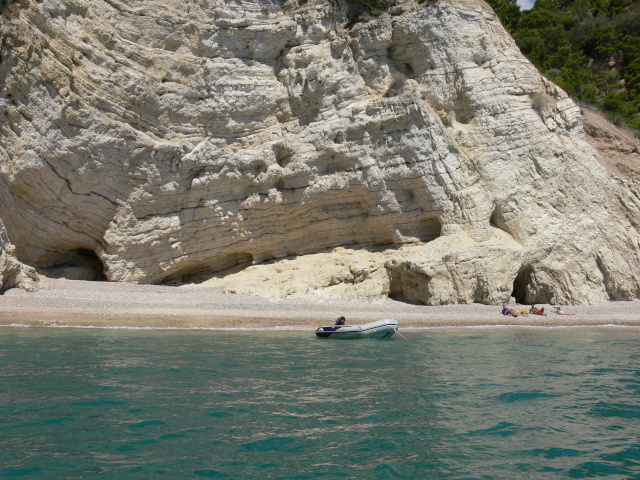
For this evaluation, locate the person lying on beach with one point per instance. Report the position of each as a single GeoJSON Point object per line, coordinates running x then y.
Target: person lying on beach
{"type": "Point", "coordinates": [509, 311]}
{"type": "Point", "coordinates": [560, 312]}
{"type": "Point", "coordinates": [537, 311]}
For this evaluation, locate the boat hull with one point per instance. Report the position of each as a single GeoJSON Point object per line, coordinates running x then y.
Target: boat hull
{"type": "Point", "coordinates": [379, 329]}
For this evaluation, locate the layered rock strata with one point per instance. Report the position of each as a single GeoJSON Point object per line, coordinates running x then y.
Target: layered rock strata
{"type": "Point", "coordinates": [165, 141]}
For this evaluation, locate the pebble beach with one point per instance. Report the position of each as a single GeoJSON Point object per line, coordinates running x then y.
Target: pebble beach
{"type": "Point", "coordinates": [102, 304]}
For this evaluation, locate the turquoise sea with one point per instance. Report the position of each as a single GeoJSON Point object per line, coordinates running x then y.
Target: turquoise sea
{"type": "Point", "coordinates": [492, 403]}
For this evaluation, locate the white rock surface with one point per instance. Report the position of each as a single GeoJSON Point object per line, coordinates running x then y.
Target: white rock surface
{"type": "Point", "coordinates": [174, 140]}
{"type": "Point", "coordinates": [14, 274]}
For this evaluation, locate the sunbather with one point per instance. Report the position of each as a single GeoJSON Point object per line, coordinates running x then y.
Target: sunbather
{"type": "Point", "coordinates": [560, 312]}
{"type": "Point", "coordinates": [536, 311]}
{"type": "Point", "coordinates": [509, 311]}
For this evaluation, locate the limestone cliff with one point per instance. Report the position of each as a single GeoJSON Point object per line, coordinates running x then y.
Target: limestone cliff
{"type": "Point", "coordinates": [14, 274]}
{"type": "Point", "coordinates": [169, 140]}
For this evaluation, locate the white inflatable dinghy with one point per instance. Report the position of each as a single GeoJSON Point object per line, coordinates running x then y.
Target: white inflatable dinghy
{"type": "Point", "coordinates": [379, 329]}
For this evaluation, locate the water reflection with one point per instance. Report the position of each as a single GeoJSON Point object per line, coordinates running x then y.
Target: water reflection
{"type": "Point", "coordinates": [441, 404]}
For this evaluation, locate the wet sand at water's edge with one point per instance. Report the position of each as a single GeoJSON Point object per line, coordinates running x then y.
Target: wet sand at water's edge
{"type": "Point", "coordinates": [102, 304]}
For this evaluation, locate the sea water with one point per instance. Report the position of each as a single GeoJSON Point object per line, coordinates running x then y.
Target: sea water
{"type": "Point", "coordinates": [442, 403]}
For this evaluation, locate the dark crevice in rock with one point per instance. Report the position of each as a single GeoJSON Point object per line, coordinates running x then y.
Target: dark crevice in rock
{"type": "Point", "coordinates": [283, 154]}
{"type": "Point", "coordinates": [432, 229]}
{"type": "Point", "coordinates": [463, 108]}
{"type": "Point", "coordinates": [497, 220]}
{"type": "Point", "coordinates": [521, 285]}
{"type": "Point", "coordinates": [195, 274]}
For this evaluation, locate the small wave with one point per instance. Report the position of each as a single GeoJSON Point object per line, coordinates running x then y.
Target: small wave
{"type": "Point", "coordinates": [274, 443]}
{"type": "Point", "coordinates": [520, 327]}
{"type": "Point", "coordinates": [210, 473]}
{"type": "Point", "coordinates": [520, 396]}
{"type": "Point", "coordinates": [147, 423]}
{"type": "Point", "coordinates": [503, 429]}
{"type": "Point", "coordinates": [312, 329]}
{"type": "Point", "coordinates": [557, 452]}
{"type": "Point", "coordinates": [127, 327]}
{"type": "Point", "coordinates": [603, 409]}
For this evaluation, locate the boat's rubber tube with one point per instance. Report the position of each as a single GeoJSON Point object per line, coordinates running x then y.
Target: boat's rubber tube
{"type": "Point", "coordinates": [379, 329]}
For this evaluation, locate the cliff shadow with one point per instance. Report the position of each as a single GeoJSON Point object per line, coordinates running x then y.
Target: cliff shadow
{"type": "Point", "coordinates": [79, 264]}
{"type": "Point", "coordinates": [201, 272]}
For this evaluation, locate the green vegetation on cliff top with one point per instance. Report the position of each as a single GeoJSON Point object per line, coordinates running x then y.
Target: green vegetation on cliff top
{"type": "Point", "coordinates": [590, 48]}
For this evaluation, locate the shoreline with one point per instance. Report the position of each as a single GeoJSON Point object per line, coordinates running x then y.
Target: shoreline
{"type": "Point", "coordinates": [78, 303]}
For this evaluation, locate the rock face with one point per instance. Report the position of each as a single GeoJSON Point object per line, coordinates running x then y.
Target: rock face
{"type": "Point", "coordinates": [165, 141]}
{"type": "Point", "coordinates": [13, 273]}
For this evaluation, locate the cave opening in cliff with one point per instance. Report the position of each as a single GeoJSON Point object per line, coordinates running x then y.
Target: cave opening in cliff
{"type": "Point", "coordinates": [92, 263]}
{"type": "Point", "coordinates": [79, 264]}
{"type": "Point", "coordinates": [521, 285]}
